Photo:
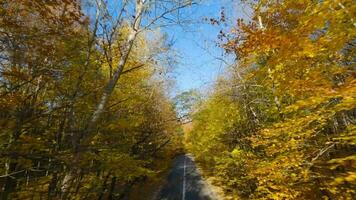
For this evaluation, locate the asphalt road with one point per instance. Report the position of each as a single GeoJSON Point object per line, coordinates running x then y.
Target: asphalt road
{"type": "Point", "coordinates": [185, 183]}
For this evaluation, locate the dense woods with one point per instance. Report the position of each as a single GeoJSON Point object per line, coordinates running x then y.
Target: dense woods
{"type": "Point", "coordinates": [86, 110]}
{"type": "Point", "coordinates": [280, 123]}
{"type": "Point", "coordinates": [83, 100]}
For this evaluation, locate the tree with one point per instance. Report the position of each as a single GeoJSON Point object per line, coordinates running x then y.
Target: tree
{"type": "Point", "coordinates": [55, 64]}
{"type": "Point", "coordinates": [185, 103]}
{"type": "Point", "coordinates": [291, 135]}
{"type": "Point", "coordinates": [134, 28]}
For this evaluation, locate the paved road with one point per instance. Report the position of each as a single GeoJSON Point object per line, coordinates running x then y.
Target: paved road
{"type": "Point", "coordinates": [185, 183]}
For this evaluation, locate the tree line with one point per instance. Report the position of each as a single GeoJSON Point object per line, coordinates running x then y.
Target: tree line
{"type": "Point", "coordinates": [84, 107]}
{"type": "Point", "coordinates": [280, 123]}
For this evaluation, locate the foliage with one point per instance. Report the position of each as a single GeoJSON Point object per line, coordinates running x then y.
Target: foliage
{"type": "Point", "coordinates": [51, 79]}
{"type": "Point", "coordinates": [281, 125]}
{"type": "Point", "coordinates": [185, 103]}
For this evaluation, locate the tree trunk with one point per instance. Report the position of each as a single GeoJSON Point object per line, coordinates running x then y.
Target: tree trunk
{"type": "Point", "coordinates": [112, 188]}
{"type": "Point", "coordinates": [104, 187]}
{"type": "Point", "coordinates": [10, 183]}
{"type": "Point", "coordinates": [89, 132]}
{"type": "Point", "coordinates": [109, 88]}
{"type": "Point", "coordinates": [52, 186]}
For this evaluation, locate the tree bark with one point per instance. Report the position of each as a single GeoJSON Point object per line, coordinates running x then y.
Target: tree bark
{"type": "Point", "coordinates": [112, 188]}
{"type": "Point", "coordinates": [10, 183]}
{"type": "Point", "coordinates": [109, 88]}
{"type": "Point", "coordinates": [89, 132]}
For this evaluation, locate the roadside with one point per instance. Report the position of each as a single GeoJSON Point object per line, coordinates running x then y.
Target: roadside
{"type": "Point", "coordinates": [210, 182]}
{"type": "Point", "coordinates": [150, 188]}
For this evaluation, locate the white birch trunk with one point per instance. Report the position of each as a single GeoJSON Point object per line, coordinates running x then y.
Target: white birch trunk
{"type": "Point", "coordinates": [89, 133]}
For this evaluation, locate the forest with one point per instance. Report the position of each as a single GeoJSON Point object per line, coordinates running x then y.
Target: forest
{"type": "Point", "coordinates": [280, 124]}
{"type": "Point", "coordinates": [86, 109]}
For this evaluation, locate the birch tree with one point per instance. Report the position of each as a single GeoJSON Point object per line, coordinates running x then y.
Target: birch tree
{"type": "Point", "coordinates": [138, 17]}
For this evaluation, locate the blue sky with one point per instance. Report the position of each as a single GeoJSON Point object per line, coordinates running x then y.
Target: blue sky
{"type": "Point", "coordinates": [196, 43]}
{"type": "Point", "coordinates": [198, 64]}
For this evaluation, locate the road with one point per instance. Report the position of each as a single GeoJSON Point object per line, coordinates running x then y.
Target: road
{"type": "Point", "coordinates": [185, 183]}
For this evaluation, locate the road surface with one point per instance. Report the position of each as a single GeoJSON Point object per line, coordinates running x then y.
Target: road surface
{"type": "Point", "coordinates": [185, 183]}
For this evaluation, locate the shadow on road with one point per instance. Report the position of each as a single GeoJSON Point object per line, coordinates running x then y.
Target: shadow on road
{"type": "Point", "coordinates": [194, 187]}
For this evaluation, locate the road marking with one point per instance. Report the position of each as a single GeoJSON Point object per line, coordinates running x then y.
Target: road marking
{"type": "Point", "coordinates": [183, 193]}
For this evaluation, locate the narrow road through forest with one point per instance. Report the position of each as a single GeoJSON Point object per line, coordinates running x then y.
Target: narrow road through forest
{"type": "Point", "coordinates": [185, 183]}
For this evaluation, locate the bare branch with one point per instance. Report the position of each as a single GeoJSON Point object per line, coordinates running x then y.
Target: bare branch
{"type": "Point", "coordinates": [322, 152]}
{"type": "Point", "coordinates": [132, 69]}
{"type": "Point", "coordinates": [162, 15]}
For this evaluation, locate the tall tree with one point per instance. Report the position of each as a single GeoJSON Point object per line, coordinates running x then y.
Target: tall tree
{"type": "Point", "coordinates": [285, 114]}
